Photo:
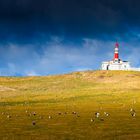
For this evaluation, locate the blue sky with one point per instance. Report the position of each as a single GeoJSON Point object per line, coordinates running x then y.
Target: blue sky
{"type": "Point", "coordinates": [57, 36]}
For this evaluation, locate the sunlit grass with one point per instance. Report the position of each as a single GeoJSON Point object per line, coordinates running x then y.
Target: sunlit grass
{"type": "Point", "coordinates": [85, 93]}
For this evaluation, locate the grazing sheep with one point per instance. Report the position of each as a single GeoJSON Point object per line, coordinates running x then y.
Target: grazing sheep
{"type": "Point", "coordinates": [8, 116]}
{"type": "Point", "coordinates": [92, 120]}
{"type": "Point", "coordinates": [59, 113]}
{"type": "Point", "coordinates": [106, 114]}
{"type": "Point", "coordinates": [34, 113]}
{"type": "Point", "coordinates": [74, 113]}
{"type": "Point", "coordinates": [50, 117]}
{"type": "Point", "coordinates": [33, 123]}
{"type": "Point", "coordinates": [133, 112]}
{"type": "Point", "coordinates": [97, 114]}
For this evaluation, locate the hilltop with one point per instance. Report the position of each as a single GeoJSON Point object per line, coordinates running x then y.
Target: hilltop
{"type": "Point", "coordinates": [63, 106]}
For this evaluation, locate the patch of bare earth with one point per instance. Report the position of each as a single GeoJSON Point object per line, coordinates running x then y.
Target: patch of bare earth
{"type": "Point", "coordinates": [3, 88]}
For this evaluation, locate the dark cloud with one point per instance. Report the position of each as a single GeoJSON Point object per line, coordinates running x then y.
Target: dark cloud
{"type": "Point", "coordinates": [75, 18]}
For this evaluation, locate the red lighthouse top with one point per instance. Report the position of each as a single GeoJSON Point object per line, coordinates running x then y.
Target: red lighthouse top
{"type": "Point", "coordinates": [116, 52]}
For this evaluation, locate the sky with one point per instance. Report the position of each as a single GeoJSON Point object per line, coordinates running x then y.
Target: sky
{"type": "Point", "coordinates": [45, 37]}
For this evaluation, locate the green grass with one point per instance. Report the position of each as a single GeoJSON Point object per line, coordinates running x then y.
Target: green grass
{"type": "Point", "coordinates": [115, 92]}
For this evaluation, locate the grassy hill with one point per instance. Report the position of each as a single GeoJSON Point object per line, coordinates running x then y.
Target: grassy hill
{"type": "Point", "coordinates": [64, 106]}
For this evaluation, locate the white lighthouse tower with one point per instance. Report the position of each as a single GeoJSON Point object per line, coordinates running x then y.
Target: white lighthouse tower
{"type": "Point", "coordinates": [116, 63]}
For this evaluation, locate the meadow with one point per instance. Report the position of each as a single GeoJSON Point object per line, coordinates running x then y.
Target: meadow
{"type": "Point", "coordinates": [63, 107]}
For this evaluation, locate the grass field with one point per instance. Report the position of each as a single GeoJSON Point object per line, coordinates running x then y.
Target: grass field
{"type": "Point", "coordinates": [63, 107]}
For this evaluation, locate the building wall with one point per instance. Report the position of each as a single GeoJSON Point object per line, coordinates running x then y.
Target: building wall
{"type": "Point", "coordinates": [105, 66]}
{"type": "Point", "coordinates": [115, 66]}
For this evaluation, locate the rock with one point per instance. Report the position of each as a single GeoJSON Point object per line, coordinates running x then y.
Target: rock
{"type": "Point", "coordinates": [101, 119]}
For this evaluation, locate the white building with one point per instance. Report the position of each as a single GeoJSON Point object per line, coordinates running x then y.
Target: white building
{"type": "Point", "coordinates": [111, 65]}
{"type": "Point", "coordinates": [116, 63]}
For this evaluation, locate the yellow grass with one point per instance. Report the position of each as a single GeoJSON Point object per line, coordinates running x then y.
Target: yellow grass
{"type": "Point", "coordinates": [85, 93]}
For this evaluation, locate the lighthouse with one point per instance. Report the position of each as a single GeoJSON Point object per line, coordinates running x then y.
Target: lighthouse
{"type": "Point", "coordinates": [116, 52]}
{"type": "Point", "coordinates": [116, 63]}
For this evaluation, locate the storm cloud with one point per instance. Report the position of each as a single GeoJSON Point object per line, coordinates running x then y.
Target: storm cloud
{"type": "Point", "coordinates": [72, 18]}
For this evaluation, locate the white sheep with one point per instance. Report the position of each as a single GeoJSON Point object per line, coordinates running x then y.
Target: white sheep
{"type": "Point", "coordinates": [97, 114]}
